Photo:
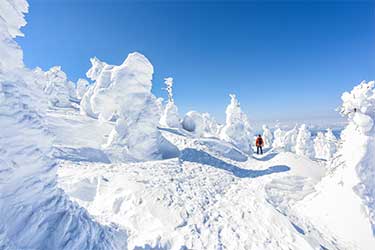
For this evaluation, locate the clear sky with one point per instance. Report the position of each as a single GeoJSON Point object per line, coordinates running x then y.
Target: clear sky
{"type": "Point", "coordinates": [284, 60]}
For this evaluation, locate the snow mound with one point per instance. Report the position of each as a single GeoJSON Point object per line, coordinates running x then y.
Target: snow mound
{"type": "Point", "coordinates": [237, 128]}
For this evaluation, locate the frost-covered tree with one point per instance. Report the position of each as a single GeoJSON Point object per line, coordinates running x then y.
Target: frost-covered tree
{"type": "Point", "coordinates": [319, 145]}
{"type": "Point", "coordinates": [278, 141]}
{"type": "Point", "coordinates": [211, 127]}
{"type": "Point", "coordinates": [304, 145]}
{"type": "Point", "coordinates": [290, 140]}
{"type": "Point", "coordinates": [81, 87]}
{"type": "Point", "coordinates": [124, 91]}
{"type": "Point", "coordinates": [102, 72]}
{"type": "Point", "coordinates": [200, 124]}
{"type": "Point", "coordinates": [170, 117]}
{"type": "Point", "coordinates": [59, 89]}
{"type": "Point", "coordinates": [237, 129]}
{"type": "Point", "coordinates": [267, 136]}
{"type": "Point", "coordinates": [331, 144]}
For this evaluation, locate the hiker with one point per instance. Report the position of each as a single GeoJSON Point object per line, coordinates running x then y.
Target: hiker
{"type": "Point", "coordinates": [259, 143]}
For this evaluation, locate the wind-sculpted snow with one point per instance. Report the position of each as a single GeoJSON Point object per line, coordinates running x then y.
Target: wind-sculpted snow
{"type": "Point", "coordinates": [12, 19]}
{"type": "Point", "coordinates": [124, 91]}
{"type": "Point", "coordinates": [34, 213]}
{"type": "Point", "coordinates": [237, 128]}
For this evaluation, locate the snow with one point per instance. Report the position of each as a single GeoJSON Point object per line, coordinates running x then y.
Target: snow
{"type": "Point", "coordinates": [107, 177]}
{"type": "Point", "coordinates": [267, 136]}
{"type": "Point", "coordinates": [290, 140]}
{"type": "Point", "coordinates": [278, 141]}
{"type": "Point", "coordinates": [325, 145]}
{"type": "Point", "coordinates": [319, 145]}
{"type": "Point", "coordinates": [82, 87]}
{"type": "Point", "coordinates": [58, 88]}
{"type": "Point", "coordinates": [170, 117]}
{"type": "Point", "coordinates": [199, 201]}
{"type": "Point", "coordinates": [34, 213]}
{"type": "Point", "coordinates": [12, 19]}
{"type": "Point", "coordinates": [124, 91]}
{"type": "Point", "coordinates": [304, 145]}
{"type": "Point", "coordinates": [237, 128]}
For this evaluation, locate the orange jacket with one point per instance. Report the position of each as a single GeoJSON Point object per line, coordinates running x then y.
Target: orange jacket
{"type": "Point", "coordinates": [259, 142]}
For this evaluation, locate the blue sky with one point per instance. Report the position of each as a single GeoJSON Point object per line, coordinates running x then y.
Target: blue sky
{"type": "Point", "coordinates": [284, 60]}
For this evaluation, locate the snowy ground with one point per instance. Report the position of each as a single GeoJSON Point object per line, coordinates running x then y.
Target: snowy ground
{"type": "Point", "coordinates": [201, 200]}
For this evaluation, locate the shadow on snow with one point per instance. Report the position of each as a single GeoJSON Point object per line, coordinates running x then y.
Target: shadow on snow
{"type": "Point", "coordinates": [198, 156]}
{"type": "Point", "coordinates": [266, 157]}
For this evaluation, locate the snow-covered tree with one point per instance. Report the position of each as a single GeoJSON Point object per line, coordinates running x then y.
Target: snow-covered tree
{"type": "Point", "coordinates": [125, 91]}
{"type": "Point", "coordinates": [59, 89]}
{"type": "Point", "coordinates": [211, 127]}
{"type": "Point", "coordinates": [278, 141]}
{"type": "Point", "coordinates": [237, 129]}
{"type": "Point", "coordinates": [81, 87]}
{"type": "Point", "coordinates": [170, 117]}
{"type": "Point", "coordinates": [290, 140]}
{"type": "Point", "coordinates": [304, 145]}
{"type": "Point", "coordinates": [267, 136]}
{"type": "Point", "coordinates": [320, 145]}
{"type": "Point", "coordinates": [331, 144]}
{"type": "Point", "coordinates": [102, 72]}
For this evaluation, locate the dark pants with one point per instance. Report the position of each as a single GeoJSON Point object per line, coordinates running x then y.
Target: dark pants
{"type": "Point", "coordinates": [261, 150]}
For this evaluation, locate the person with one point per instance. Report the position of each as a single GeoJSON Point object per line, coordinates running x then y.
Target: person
{"type": "Point", "coordinates": [259, 143]}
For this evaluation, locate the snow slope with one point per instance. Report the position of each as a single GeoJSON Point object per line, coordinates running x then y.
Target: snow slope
{"type": "Point", "coordinates": [201, 200]}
